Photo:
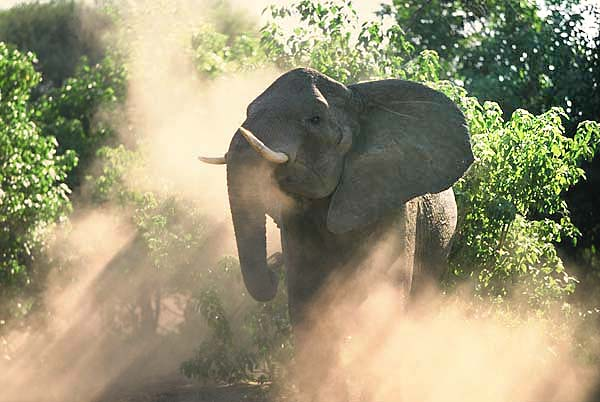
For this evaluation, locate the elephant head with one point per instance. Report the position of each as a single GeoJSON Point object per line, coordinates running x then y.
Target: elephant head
{"type": "Point", "coordinates": [367, 148]}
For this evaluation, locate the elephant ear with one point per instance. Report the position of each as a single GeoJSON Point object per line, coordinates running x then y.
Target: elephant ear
{"type": "Point", "coordinates": [413, 140]}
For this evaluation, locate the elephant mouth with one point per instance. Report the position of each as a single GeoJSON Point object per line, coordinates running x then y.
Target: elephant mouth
{"type": "Point", "coordinates": [313, 184]}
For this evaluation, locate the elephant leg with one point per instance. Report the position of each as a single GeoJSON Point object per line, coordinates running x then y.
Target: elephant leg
{"type": "Point", "coordinates": [318, 329]}
{"type": "Point", "coordinates": [436, 224]}
{"type": "Point", "coordinates": [321, 319]}
{"type": "Point", "coordinates": [316, 338]}
{"type": "Point", "coordinates": [317, 370]}
{"type": "Point", "coordinates": [328, 278]}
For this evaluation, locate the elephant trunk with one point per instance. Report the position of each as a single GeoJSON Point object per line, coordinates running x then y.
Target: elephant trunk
{"type": "Point", "coordinates": [244, 177]}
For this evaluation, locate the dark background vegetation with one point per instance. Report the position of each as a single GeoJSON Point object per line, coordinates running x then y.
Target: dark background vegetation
{"type": "Point", "coordinates": [529, 214]}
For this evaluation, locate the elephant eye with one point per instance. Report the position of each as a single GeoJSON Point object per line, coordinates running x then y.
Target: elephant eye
{"type": "Point", "coordinates": [314, 120]}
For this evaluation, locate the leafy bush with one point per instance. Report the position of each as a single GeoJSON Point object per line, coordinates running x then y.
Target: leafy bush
{"type": "Point", "coordinates": [521, 54]}
{"type": "Point", "coordinates": [217, 53]}
{"type": "Point", "coordinates": [71, 113]}
{"type": "Point", "coordinates": [161, 260]}
{"type": "Point", "coordinates": [33, 193]}
{"type": "Point", "coordinates": [245, 340]}
{"type": "Point", "coordinates": [512, 200]}
{"type": "Point", "coordinates": [59, 32]}
{"type": "Point", "coordinates": [249, 340]}
{"type": "Point", "coordinates": [79, 79]}
{"type": "Point", "coordinates": [49, 133]}
{"type": "Point", "coordinates": [533, 55]}
{"type": "Point", "coordinates": [172, 230]}
{"type": "Point", "coordinates": [330, 38]}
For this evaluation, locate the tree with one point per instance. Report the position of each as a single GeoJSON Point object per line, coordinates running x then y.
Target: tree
{"type": "Point", "coordinates": [518, 53]}
{"type": "Point", "coordinates": [69, 112]}
{"type": "Point", "coordinates": [80, 78]}
{"type": "Point", "coordinates": [33, 193]}
{"type": "Point", "coordinates": [440, 25]}
{"type": "Point", "coordinates": [59, 32]}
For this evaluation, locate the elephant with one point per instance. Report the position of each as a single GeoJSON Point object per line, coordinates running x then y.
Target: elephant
{"type": "Point", "coordinates": [339, 168]}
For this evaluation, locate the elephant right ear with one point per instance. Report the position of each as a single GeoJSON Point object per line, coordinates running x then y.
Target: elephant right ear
{"type": "Point", "coordinates": [413, 140]}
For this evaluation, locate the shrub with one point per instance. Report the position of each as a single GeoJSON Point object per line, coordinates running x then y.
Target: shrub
{"type": "Point", "coordinates": [245, 339]}
{"type": "Point", "coordinates": [248, 340]}
{"type": "Point", "coordinates": [33, 193]}
{"type": "Point", "coordinates": [59, 32]}
{"type": "Point", "coordinates": [217, 53]}
{"type": "Point", "coordinates": [76, 113]}
{"type": "Point", "coordinates": [511, 201]}
{"type": "Point", "coordinates": [79, 79]}
{"type": "Point", "coordinates": [330, 38]}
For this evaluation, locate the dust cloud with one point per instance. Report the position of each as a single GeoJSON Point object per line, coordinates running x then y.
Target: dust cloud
{"type": "Point", "coordinates": [105, 325]}
{"type": "Point", "coordinates": [437, 347]}
{"type": "Point", "coordinates": [62, 359]}
{"type": "Point", "coordinates": [176, 115]}
{"type": "Point", "coordinates": [9, 3]}
{"type": "Point", "coordinates": [108, 326]}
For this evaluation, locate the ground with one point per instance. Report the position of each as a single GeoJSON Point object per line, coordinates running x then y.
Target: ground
{"type": "Point", "coordinates": [180, 389]}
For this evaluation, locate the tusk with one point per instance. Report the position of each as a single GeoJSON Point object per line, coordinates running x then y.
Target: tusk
{"type": "Point", "coordinates": [262, 149]}
{"type": "Point", "coordinates": [214, 161]}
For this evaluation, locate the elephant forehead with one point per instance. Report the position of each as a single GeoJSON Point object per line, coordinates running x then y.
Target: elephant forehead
{"type": "Point", "coordinates": [292, 92]}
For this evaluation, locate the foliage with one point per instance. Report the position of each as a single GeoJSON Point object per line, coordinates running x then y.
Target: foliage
{"type": "Point", "coordinates": [79, 79]}
{"type": "Point", "coordinates": [330, 38]}
{"type": "Point", "coordinates": [33, 193]}
{"type": "Point", "coordinates": [217, 53]}
{"type": "Point", "coordinates": [245, 339]}
{"type": "Point", "coordinates": [536, 62]}
{"type": "Point", "coordinates": [71, 113]}
{"type": "Point", "coordinates": [260, 341]}
{"type": "Point", "coordinates": [56, 128]}
{"type": "Point", "coordinates": [512, 200]}
{"type": "Point", "coordinates": [520, 54]}
{"type": "Point", "coordinates": [171, 229]}
{"type": "Point", "coordinates": [59, 32]}
{"type": "Point", "coordinates": [161, 259]}
{"type": "Point", "coordinates": [532, 55]}
{"type": "Point", "coordinates": [439, 25]}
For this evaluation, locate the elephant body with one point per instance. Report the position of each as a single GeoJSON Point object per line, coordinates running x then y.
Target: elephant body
{"type": "Point", "coordinates": [408, 247]}
{"type": "Point", "coordinates": [358, 178]}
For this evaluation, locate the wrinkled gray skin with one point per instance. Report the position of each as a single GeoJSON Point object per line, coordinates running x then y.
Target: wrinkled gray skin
{"type": "Point", "coordinates": [366, 161]}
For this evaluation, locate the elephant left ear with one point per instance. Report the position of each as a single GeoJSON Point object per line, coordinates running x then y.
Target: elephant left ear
{"type": "Point", "coordinates": [413, 140]}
